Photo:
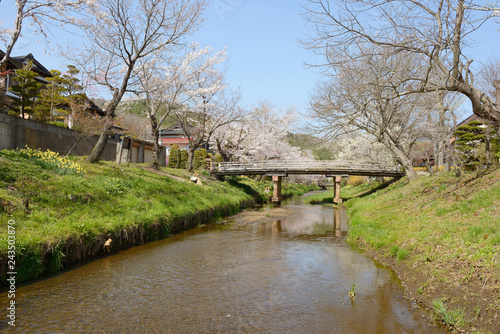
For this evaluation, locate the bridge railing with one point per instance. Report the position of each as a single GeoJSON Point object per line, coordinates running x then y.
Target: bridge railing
{"type": "Point", "coordinates": [313, 165]}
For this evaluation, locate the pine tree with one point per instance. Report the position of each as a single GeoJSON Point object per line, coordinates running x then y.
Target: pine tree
{"type": "Point", "coordinates": [470, 137]}
{"type": "Point", "coordinates": [27, 88]}
{"type": "Point", "coordinates": [52, 98]}
{"type": "Point", "coordinates": [72, 84]}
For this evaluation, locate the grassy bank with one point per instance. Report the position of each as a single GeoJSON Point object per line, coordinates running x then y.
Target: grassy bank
{"type": "Point", "coordinates": [64, 210]}
{"type": "Point", "coordinates": [442, 235]}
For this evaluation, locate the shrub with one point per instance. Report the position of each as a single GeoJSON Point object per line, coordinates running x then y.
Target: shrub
{"type": "Point", "coordinates": [184, 159]}
{"type": "Point", "coordinates": [355, 180]}
{"type": "Point", "coordinates": [173, 158]}
{"type": "Point", "coordinates": [199, 158]}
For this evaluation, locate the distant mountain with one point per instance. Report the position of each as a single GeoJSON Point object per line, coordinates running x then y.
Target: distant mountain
{"type": "Point", "coordinates": [319, 149]}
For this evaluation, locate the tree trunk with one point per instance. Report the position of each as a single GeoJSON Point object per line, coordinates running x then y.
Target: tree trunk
{"type": "Point", "coordinates": [190, 158]}
{"type": "Point", "coordinates": [482, 105]}
{"type": "Point", "coordinates": [225, 157]}
{"type": "Point", "coordinates": [15, 35]}
{"type": "Point", "coordinates": [155, 131]}
{"type": "Point", "coordinates": [401, 157]}
{"type": "Point", "coordinates": [156, 162]}
{"type": "Point", "coordinates": [99, 146]}
{"type": "Point", "coordinates": [110, 113]}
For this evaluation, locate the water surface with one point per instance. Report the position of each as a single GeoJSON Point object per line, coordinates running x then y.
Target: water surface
{"type": "Point", "coordinates": [285, 276]}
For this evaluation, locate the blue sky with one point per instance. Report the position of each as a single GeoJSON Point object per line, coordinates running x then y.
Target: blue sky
{"type": "Point", "coordinates": [264, 57]}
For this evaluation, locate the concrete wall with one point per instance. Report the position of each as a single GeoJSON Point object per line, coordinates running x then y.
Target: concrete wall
{"type": "Point", "coordinates": [16, 132]}
{"type": "Point", "coordinates": [139, 151]}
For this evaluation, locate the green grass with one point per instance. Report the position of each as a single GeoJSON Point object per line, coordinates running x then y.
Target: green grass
{"type": "Point", "coordinates": [54, 199]}
{"type": "Point", "coordinates": [322, 197]}
{"type": "Point", "coordinates": [50, 206]}
{"type": "Point", "coordinates": [450, 318]}
{"type": "Point", "coordinates": [445, 228]}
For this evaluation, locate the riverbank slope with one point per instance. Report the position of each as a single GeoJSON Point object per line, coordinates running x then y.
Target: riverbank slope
{"type": "Point", "coordinates": [55, 211]}
{"type": "Point", "coordinates": [441, 234]}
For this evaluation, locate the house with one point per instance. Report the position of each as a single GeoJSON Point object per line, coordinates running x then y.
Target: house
{"type": "Point", "coordinates": [175, 135]}
{"type": "Point", "coordinates": [7, 80]}
{"type": "Point", "coordinates": [133, 150]}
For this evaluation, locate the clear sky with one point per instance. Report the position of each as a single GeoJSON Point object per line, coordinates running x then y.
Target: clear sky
{"type": "Point", "coordinates": [264, 57]}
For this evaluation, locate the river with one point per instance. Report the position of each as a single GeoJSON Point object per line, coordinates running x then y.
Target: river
{"type": "Point", "coordinates": [291, 275]}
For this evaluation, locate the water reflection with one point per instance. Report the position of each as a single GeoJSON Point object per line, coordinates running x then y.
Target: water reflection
{"type": "Point", "coordinates": [290, 275]}
{"type": "Point", "coordinates": [312, 222]}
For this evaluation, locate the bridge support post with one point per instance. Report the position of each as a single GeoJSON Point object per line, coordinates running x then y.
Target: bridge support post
{"type": "Point", "coordinates": [336, 189]}
{"type": "Point", "coordinates": [276, 190]}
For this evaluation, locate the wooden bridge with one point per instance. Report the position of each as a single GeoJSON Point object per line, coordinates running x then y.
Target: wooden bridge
{"type": "Point", "coordinates": [280, 169]}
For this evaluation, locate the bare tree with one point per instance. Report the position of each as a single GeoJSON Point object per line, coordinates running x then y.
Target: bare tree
{"type": "Point", "coordinates": [490, 78]}
{"type": "Point", "coordinates": [129, 32]}
{"type": "Point", "coordinates": [436, 31]}
{"type": "Point", "coordinates": [134, 125]}
{"type": "Point", "coordinates": [440, 123]}
{"type": "Point", "coordinates": [362, 98]}
{"type": "Point", "coordinates": [41, 14]}
{"type": "Point", "coordinates": [86, 123]}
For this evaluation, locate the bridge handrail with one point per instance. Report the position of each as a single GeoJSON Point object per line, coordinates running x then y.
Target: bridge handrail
{"type": "Point", "coordinates": [309, 164]}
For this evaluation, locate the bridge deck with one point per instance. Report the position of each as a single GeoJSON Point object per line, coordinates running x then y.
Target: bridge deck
{"type": "Point", "coordinates": [306, 167]}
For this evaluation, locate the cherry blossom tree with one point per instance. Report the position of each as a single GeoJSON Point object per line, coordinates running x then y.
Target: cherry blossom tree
{"type": "Point", "coordinates": [362, 147]}
{"type": "Point", "coordinates": [131, 32]}
{"type": "Point", "coordinates": [262, 135]}
{"type": "Point", "coordinates": [212, 105]}
{"type": "Point", "coordinates": [228, 140]}
{"type": "Point", "coordinates": [167, 83]}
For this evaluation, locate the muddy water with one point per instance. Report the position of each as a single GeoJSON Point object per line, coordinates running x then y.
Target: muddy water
{"type": "Point", "coordinates": [278, 276]}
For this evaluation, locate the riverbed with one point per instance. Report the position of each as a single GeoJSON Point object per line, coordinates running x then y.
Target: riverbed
{"type": "Point", "coordinates": [288, 271]}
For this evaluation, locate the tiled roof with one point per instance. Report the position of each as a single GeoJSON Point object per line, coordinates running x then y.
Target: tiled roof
{"type": "Point", "coordinates": [174, 140]}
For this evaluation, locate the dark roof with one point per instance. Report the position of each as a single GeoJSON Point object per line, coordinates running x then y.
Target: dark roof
{"type": "Point", "coordinates": [176, 130]}
{"type": "Point", "coordinates": [20, 61]}
{"type": "Point", "coordinates": [469, 119]}
{"type": "Point", "coordinates": [91, 106]}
